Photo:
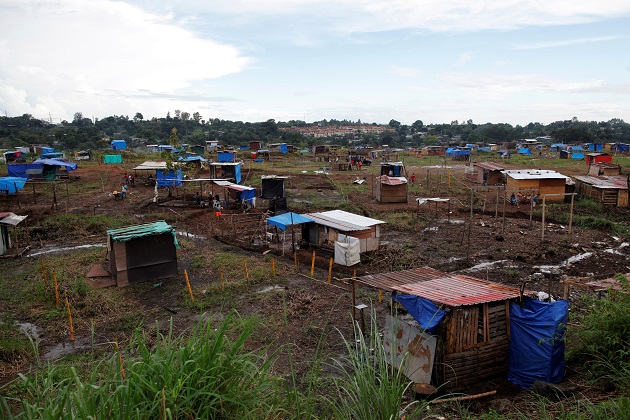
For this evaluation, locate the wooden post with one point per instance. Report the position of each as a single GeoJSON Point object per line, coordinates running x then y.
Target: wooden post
{"type": "Point", "coordinates": [295, 261]}
{"type": "Point", "coordinates": [192, 298]}
{"type": "Point", "coordinates": [380, 296]}
{"type": "Point", "coordinates": [571, 214]}
{"type": "Point", "coordinates": [330, 270]}
{"type": "Point", "coordinates": [313, 264]}
{"type": "Point", "coordinates": [504, 200]}
{"type": "Point", "coordinates": [273, 267]}
{"type": "Point", "coordinates": [496, 207]}
{"type": "Point", "coordinates": [56, 289]}
{"type": "Point", "coordinates": [543, 219]}
{"type": "Point", "coordinates": [354, 302]}
{"type": "Point", "coordinates": [246, 271]}
{"type": "Point", "coordinates": [69, 318]}
{"type": "Point", "coordinates": [44, 273]}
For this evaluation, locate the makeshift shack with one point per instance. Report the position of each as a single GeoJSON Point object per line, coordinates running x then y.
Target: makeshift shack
{"type": "Point", "coordinates": [112, 159]}
{"type": "Point", "coordinates": [607, 190]}
{"type": "Point", "coordinates": [118, 144]}
{"type": "Point", "coordinates": [272, 186]}
{"type": "Point", "coordinates": [141, 253]}
{"type": "Point", "coordinates": [226, 170]}
{"type": "Point", "coordinates": [462, 333]}
{"type": "Point", "coordinates": [11, 184]}
{"type": "Point", "coordinates": [336, 225]}
{"type": "Point", "coordinates": [83, 155]}
{"type": "Point", "coordinates": [226, 156]}
{"type": "Point", "coordinates": [8, 247]}
{"type": "Point", "coordinates": [489, 173]}
{"type": "Point", "coordinates": [50, 168]}
{"type": "Point", "coordinates": [237, 196]}
{"type": "Point", "coordinates": [597, 157]}
{"type": "Point", "coordinates": [391, 189]}
{"type": "Point", "coordinates": [278, 148]}
{"type": "Point", "coordinates": [284, 222]}
{"type": "Point", "coordinates": [543, 181]}
{"type": "Point", "coordinates": [255, 145]}
{"type": "Point", "coordinates": [603, 168]}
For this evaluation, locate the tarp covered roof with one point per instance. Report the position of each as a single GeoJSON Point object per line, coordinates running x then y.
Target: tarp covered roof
{"type": "Point", "coordinates": [128, 233]}
{"type": "Point", "coordinates": [287, 219]}
{"type": "Point", "coordinates": [12, 184]}
{"type": "Point", "coordinates": [343, 221]}
{"type": "Point", "coordinates": [54, 162]}
{"type": "Point", "coordinates": [192, 159]}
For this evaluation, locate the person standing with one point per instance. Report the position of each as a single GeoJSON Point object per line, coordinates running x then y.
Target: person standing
{"type": "Point", "coordinates": [413, 178]}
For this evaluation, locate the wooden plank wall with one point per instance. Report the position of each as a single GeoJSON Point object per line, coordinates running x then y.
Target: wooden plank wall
{"type": "Point", "coordinates": [475, 345]}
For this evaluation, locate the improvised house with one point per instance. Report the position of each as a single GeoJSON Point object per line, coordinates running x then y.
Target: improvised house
{"type": "Point", "coordinates": [391, 185]}
{"type": "Point", "coordinates": [255, 145]}
{"type": "Point", "coordinates": [543, 181]}
{"type": "Point", "coordinates": [603, 168]}
{"type": "Point", "coordinates": [462, 333]}
{"type": "Point", "coordinates": [226, 170]}
{"type": "Point", "coordinates": [608, 190]}
{"type": "Point", "coordinates": [334, 226]}
{"type": "Point", "coordinates": [10, 247]}
{"type": "Point", "coordinates": [237, 196]}
{"type": "Point", "coordinates": [140, 253]}
{"type": "Point", "coordinates": [597, 157]}
{"type": "Point", "coordinates": [112, 159]}
{"type": "Point", "coordinates": [278, 148]}
{"type": "Point", "coordinates": [272, 186]}
{"type": "Point", "coordinates": [489, 173]}
{"type": "Point", "coordinates": [118, 144]}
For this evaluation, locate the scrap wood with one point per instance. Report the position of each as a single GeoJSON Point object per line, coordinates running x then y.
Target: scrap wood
{"type": "Point", "coordinates": [464, 397]}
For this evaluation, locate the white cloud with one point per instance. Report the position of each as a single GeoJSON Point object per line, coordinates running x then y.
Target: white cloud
{"type": "Point", "coordinates": [464, 58]}
{"type": "Point", "coordinates": [403, 71]}
{"type": "Point", "coordinates": [564, 43]}
{"type": "Point", "coordinates": [81, 52]}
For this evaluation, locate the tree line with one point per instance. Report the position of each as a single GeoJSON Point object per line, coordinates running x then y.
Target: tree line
{"type": "Point", "coordinates": [193, 129]}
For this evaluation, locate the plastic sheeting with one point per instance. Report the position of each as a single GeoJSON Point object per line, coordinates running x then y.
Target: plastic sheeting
{"type": "Point", "coordinates": [12, 184]}
{"type": "Point", "coordinates": [537, 342]}
{"type": "Point", "coordinates": [54, 162]}
{"type": "Point", "coordinates": [287, 219]}
{"type": "Point", "coordinates": [426, 313]}
{"type": "Point", "coordinates": [524, 151]}
{"type": "Point", "coordinates": [347, 251]}
{"type": "Point", "coordinates": [119, 144]}
{"type": "Point", "coordinates": [272, 188]}
{"type": "Point", "coordinates": [225, 156]}
{"type": "Point", "coordinates": [170, 178]}
{"type": "Point", "coordinates": [113, 158]}
{"type": "Point", "coordinates": [23, 170]}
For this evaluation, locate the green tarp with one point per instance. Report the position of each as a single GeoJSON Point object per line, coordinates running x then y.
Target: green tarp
{"type": "Point", "coordinates": [113, 158]}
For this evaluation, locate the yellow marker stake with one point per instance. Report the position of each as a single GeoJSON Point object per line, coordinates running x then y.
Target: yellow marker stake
{"type": "Point", "coordinates": [69, 318]}
{"type": "Point", "coordinates": [380, 296]}
{"type": "Point", "coordinates": [273, 266]}
{"type": "Point", "coordinates": [122, 369]}
{"type": "Point", "coordinates": [44, 273]}
{"type": "Point", "coordinates": [313, 264]}
{"type": "Point", "coordinates": [355, 273]}
{"type": "Point", "coordinates": [330, 270]}
{"type": "Point", "coordinates": [188, 285]}
{"type": "Point", "coordinates": [56, 289]}
{"type": "Point", "coordinates": [222, 282]}
{"type": "Point", "coordinates": [246, 271]}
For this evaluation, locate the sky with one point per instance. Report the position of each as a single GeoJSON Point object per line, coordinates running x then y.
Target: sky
{"type": "Point", "coordinates": [503, 61]}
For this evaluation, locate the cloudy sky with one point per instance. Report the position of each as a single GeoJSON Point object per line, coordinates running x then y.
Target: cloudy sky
{"type": "Point", "coordinates": [514, 61]}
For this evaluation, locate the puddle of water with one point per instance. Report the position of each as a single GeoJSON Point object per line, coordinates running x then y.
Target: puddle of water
{"type": "Point", "coordinates": [190, 235]}
{"type": "Point", "coordinates": [62, 249]}
{"type": "Point", "coordinates": [65, 349]}
{"type": "Point", "coordinates": [271, 289]}
{"type": "Point", "coordinates": [29, 329]}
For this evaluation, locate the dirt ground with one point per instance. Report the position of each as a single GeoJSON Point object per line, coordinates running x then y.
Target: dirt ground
{"type": "Point", "coordinates": [303, 317]}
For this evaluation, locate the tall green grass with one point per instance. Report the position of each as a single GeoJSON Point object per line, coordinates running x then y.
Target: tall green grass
{"type": "Point", "coordinates": [207, 374]}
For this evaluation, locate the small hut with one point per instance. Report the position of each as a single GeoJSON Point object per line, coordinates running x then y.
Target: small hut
{"type": "Point", "coordinates": [8, 247]}
{"type": "Point", "coordinates": [140, 253]}
{"type": "Point", "coordinates": [489, 173]}
{"type": "Point", "coordinates": [608, 190]}
{"type": "Point", "coordinates": [597, 157]}
{"type": "Point", "coordinates": [603, 168]}
{"type": "Point", "coordinates": [543, 181]}
{"type": "Point", "coordinates": [392, 185]}
{"type": "Point", "coordinates": [462, 335]}
{"type": "Point", "coordinates": [272, 186]}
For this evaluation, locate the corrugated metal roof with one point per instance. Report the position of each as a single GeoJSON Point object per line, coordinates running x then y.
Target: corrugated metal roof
{"type": "Point", "coordinates": [605, 165]}
{"type": "Point", "coordinates": [534, 174]}
{"type": "Point", "coordinates": [343, 221]}
{"type": "Point", "coordinates": [11, 219]}
{"type": "Point", "coordinates": [392, 180]}
{"type": "Point", "coordinates": [441, 288]}
{"type": "Point", "coordinates": [150, 165]}
{"type": "Point", "coordinates": [490, 166]}
{"type": "Point", "coordinates": [613, 182]}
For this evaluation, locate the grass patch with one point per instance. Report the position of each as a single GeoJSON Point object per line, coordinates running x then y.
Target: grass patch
{"type": "Point", "coordinates": [64, 225]}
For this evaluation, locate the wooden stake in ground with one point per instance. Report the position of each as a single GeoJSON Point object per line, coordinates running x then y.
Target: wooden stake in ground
{"type": "Point", "coordinates": [44, 273]}
{"type": "Point", "coordinates": [273, 267]}
{"type": "Point", "coordinates": [295, 260]}
{"type": "Point", "coordinates": [313, 264]}
{"type": "Point", "coordinates": [188, 286]}
{"type": "Point", "coordinates": [330, 270]}
{"type": "Point", "coordinates": [246, 271]}
{"type": "Point", "coordinates": [69, 318]}
{"type": "Point", "coordinates": [56, 289]}
{"type": "Point", "coordinates": [120, 360]}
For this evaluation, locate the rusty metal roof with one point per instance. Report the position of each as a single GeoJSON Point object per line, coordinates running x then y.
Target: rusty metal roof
{"type": "Point", "coordinates": [449, 289]}
{"type": "Point", "coordinates": [614, 182]}
{"type": "Point", "coordinates": [392, 180]}
{"type": "Point", "coordinates": [491, 166]}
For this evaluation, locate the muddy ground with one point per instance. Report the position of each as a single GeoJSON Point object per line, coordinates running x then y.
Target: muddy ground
{"type": "Point", "coordinates": [303, 317]}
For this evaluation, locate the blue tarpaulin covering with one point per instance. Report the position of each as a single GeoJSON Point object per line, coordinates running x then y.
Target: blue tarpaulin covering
{"type": "Point", "coordinates": [225, 157]}
{"type": "Point", "coordinates": [427, 313]}
{"type": "Point", "coordinates": [577, 155]}
{"type": "Point", "coordinates": [172, 178]}
{"type": "Point", "coordinates": [449, 151]}
{"type": "Point", "coordinates": [119, 144]}
{"type": "Point", "coordinates": [461, 152]}
{"type": "Point", "coordinates": [54, 162]}
{"type": "Point", "coordinates": [21, 170]}
{"type": "Point", "coordinates": [556, 147]}
{"type": "Point", "coordinates": [537, 342]}
{"type": "Point", "coordinates": [165, 148]}
{"type": "Point", "coordinates": [524, 151]}
{"type": "Point", "coordinates": [47, 149]}
{"type": "Point", "coordinates": [191, 159]}
{"type": "Point", "coordinates": [484, 149]}
{"type": "Point", "coordinates": [284, 148]}
{"type": "Point", "coordinates": [623, 147]}
{"type": "Point", "coordinates": [12, 184]}
{"type": "Point", "coordinates": [288, 219]}
{"type": "Point", "coordinates": [53, 155]}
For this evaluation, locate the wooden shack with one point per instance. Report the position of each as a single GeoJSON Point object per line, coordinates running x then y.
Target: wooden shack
{"type": "Point", "coordinates": [473, 335]}
{"type": "Point", "coordinates": [489, 173]}
{"type": "Point", "coordinates": [140, 253]}
{"type": "Point", "coordinates": [543, 181]}
{"type": "Point", "coordinates": [597, 157]}
{"type": "Point", "coordinates": [391, 185]}
{"type": "Point", "coordinates": [604, 168]}
{"type": "Point", "coordinates": [607, 190]}
{"type": "Point", "coordinates": [328, 226]}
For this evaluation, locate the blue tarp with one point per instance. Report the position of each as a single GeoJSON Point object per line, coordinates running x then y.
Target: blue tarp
{"type": "Point", "coordinates": [248, 195]}
{"type": "Point", "coordinates": [461, 152]}
{"type": "Point", "coordinates": [288, 219]}
{"type": "Point", "coordinates": [172, 178]}
{"type": "Point", "coordinates": [119, 144]}
{"type": "Point", "coordinates": [284, 148]}
{"type": "Point", "coordinates": [54, 162]}
{"type": "Point", "coordinates": [47, 149]}
{"type": "Point", "coordinates": [225, 157]}
{"type": "Point", "coordinates": [556, 147]}
{"type": "Point", "coordinates": [21, 170]}
{"type": "Point", "coordinates": [537, 342]}
{"type": "Point", "coordinates": [191, 159]}
{"type": "Point", "coordinates": [53, 155]}
{"type": "Point", "coordinates": [165, 147]}
{"type": "Point", "coordinates": [237, 174]}
{"type": "Point", "coordinates": [575, 155]}
{"type": "Point", "coordinates": [484, 149]}
{"type": "Point", "coordinates": [576, 148]}
{"type": "Point", "coordinates": [449, 151]}
{"type": "Point", "coordinates": [623, 147]}
{"type": "Point", "coordinates": [244, 147]}
{"type": "Point", "coordinates": [10, 183]}
{"type": "Point", "coordinates": [427, 313]}
{"type": "Point", "coordinates": [524, 151]}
